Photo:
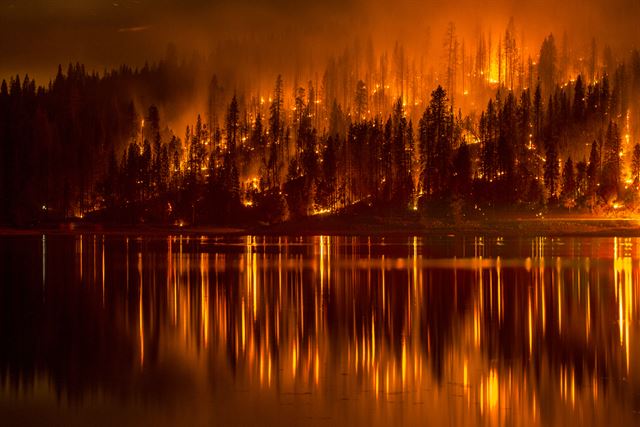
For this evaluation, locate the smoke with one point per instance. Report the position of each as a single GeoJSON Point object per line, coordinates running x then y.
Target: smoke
{"type": "Point", "coordinates": [252, 41]}
{"type": "Point", "coordinates": [36, 35]}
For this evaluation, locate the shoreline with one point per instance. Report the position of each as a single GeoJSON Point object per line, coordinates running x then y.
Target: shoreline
{"type": "Point", "coordinates": [553, 226]}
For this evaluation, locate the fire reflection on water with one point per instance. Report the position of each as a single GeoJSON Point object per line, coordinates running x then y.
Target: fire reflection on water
{"type": "Point", "coordinates": [484, 331]}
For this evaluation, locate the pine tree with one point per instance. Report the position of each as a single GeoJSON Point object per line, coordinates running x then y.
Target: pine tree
{"type": "Point", "coordinates": [462, 171]}
{"type": "Point", "coordinates": [360, 101]}
{"type": "Point", "coordinates": [568, 193]}
{"type": "Point", "coordinates": [401, 182]}
{"type": "Point", "coordinates": [547, 66]}
{"type": "Point", "coordinates": [611, 165]}
{"type": "Point", "coordinates": [436, 142]}
{"type": "Point", "coordinates": [275, 134]}
{"type": "Point", "coordinates": [635, 165]}
{"type": "Point", "coordinates": [593, 172]}
{"type": "Point", "coordinates": [538, 114]}
{"type": "Point", "coordinates": [578, 100]}
{"type": "Point", "coordinates": [551, 169]}
{"type": "Point", "coordinates": [581, 180]}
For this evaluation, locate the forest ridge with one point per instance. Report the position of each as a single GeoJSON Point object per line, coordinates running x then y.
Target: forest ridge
{"type": "Point", "coordinates": [81, 147]}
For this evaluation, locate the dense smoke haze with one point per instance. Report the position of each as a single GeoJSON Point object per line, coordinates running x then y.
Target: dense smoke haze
{"type": "Point", "coordinates": [249, 42]}
{"type": "Point", "coordinates": [37, 35]}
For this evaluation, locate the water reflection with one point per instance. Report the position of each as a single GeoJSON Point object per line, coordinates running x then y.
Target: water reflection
{"type": "Point", "coordinates": [322, 330]}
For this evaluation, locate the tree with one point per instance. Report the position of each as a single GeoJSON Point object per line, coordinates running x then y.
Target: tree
{"type": "Point", "coordinates": [578, 100]}
{"type": "Point", "coordinates": [581, 180]}
{"type": "Point", "coordinates": [511, 55]}
{"type": "Point", "coordinates": [232, 125]}
{"type": "Point", "coordinates": [275, 120]}
{"type": "Point", "coordinates": [593, 172]}
{"type": "Point", "coordinates": [635, 165]}
{"type": "Point", "coordinates": [197, 151]}
{"type": "Point", "coordinates": [276, 135]}
{"type": "Point", "coordinates": [547, 67]}
{"type": "Point", "coordinates": [506, 139]}
{"type": "Point", "coordinates": [451, 45]}
{"type": "Point", "coordinates": [401, 183]}
{"type": "Point", "coordinates": [551, 169]}
{"type": "Point", "coordinates": [436, 142]}
{"type": "Point", "coordinates": [325, 196]}
{"type": "Point", "coordinates": [231, 175]}
{"type": "Point", "coordinates": [568, 194]}
{"type": "Point", "coordinates": [611, 165]}
{"type": "Point", "coordinates": [538, 114]}
{"type": "Point", "coordinates": [110, 189]}
{"type": "Point", "coordinates": [462, 171]}
{"type": "Point", "coordinates": [360, 101]}
{"type": "Point", "coordinates": [145, 172]}
{"type": "Point", "coordinates": [152, 133]}
{"type": "Point", "coordinates": [258, 142]}
{"type": "Point", "coordinates": [489, 131]}
{"type": "Point", "coordinates": [299, 106]}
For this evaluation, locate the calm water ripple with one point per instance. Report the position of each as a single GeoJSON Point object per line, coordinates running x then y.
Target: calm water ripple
{"type": "Point", "coordinates": [176, 330]}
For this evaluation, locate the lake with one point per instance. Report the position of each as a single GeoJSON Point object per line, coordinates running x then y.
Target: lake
{"type": "Point", "coordinates": [324, 331]}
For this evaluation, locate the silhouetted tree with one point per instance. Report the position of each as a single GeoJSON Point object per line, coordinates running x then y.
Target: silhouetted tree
{"type": "Point", "coordinates": [547, 64]}
{"type": "Point", "coordinates": [436, 142]}
{"type": "Point", "coordinates": [611, 164]}
{"type": "Point", "coordinates": [568, 194]}
{"type": "Point", "coordinates": [635, 165]}
{"type": "Point", "coordinates": [552, 170]}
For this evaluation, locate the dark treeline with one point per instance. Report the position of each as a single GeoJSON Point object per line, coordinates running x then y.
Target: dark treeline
{"type": "Point", "coordinates": [55, 139]}
{"type": "Point", "coordinates": [80, 146]}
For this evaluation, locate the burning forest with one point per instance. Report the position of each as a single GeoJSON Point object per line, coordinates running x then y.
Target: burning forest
{"type": "Point", "coordinates": [487, 124]}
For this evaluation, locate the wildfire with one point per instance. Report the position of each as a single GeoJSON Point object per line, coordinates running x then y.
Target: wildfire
{"type": "Point", "coordinates": [252, 183]}
{"type": "Point", "coordinates": [323, 211]}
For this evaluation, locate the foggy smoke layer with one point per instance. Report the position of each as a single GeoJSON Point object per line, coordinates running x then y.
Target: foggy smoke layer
{"type": "Point", "coordinates": [36, 35]}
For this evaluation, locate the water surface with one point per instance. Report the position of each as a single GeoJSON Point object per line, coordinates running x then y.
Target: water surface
{"type": "Point", "coordinates": [326, 331]}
